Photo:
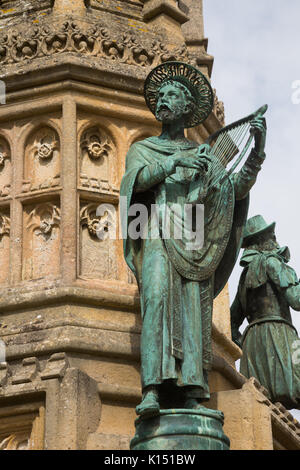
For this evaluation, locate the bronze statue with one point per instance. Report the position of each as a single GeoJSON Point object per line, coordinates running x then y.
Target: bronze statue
{"type": "Point", "coordinates": [268, 288]}
{"type": "Point", "coordinates": [177, 284]}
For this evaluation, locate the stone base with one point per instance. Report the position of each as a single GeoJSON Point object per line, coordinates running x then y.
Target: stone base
{"type": "Point", "coordinates": [181, 429]}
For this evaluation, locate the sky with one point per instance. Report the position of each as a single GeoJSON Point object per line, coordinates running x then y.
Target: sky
{"type": "Point", "coordinates": [256, 47]}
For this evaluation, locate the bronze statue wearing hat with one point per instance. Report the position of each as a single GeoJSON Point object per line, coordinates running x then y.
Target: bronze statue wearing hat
{"type": "Point", "coordinates": [267, 289]}
{"type": "Point", "coordinates": [177, 284]}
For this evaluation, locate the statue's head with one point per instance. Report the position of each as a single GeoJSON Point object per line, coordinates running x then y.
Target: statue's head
{"type": "Point", "coordinates": [174, 102]}
{"type": "Point", "coordinates": [265, 241]}
{"type": "Point", "coordinates": [175, 89]}
{"type": "Point", "coordinates": [259, 235]}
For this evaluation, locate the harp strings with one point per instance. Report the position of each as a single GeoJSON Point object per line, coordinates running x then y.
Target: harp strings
{"type": "Point", "coordinates": [225, 148]}
{"type": "Point", "coordinates": [228, 143]}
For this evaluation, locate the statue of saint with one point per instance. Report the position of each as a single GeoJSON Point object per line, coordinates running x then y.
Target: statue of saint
{"type": "Point", "coordinates": [267, 289]}
{"type": "Point", "coordinates": [177, 281]}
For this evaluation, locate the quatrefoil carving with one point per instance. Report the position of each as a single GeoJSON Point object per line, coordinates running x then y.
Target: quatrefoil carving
{"type": "Point", "coordinates": [96, 143]}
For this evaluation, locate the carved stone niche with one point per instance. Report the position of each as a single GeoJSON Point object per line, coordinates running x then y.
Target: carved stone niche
{"type": "Point", "coordinates": [97, 157]}
{"type": "Point", "coordinates": [5, 168]}
{"type": "Point", "coordinates": [42, 160]}
{"type": "Point", "coordinates": [41, 241]}
{"type": "Point", "coordinates": [98, 233]}
{"type": "Point", "coordinates": [4, 245]}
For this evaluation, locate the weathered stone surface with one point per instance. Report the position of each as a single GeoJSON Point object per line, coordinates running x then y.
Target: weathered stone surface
{"type": "Point", "coordinates": [253, 422]}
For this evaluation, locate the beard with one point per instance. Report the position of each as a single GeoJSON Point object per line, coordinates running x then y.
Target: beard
{"type": "Point", "coordinates": [264, 244]}
{"type": "Point", "coordinates": [166, 113]}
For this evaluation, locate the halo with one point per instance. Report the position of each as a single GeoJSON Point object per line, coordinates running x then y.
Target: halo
{"type": "Point", "coordinates": [189, 76]}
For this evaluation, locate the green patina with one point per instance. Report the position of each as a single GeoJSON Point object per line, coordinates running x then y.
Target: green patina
{"type": "Point", "coordinates": [268, 288]}
{"type": "Point", "coordinates": [176, 284]}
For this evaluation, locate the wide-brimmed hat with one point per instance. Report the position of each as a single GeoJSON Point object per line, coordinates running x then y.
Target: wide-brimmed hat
{"type": "Point", "coordinates": [255, 226]}
{"type": "Point", "coordinates": [189, 76]}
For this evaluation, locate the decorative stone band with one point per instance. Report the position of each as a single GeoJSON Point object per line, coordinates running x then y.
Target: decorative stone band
{"type": "Point", "coordinates": [27, 42]}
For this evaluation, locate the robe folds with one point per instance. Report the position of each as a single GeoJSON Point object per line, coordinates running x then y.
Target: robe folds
{"type": "Point", "coordinates": [177, 284]}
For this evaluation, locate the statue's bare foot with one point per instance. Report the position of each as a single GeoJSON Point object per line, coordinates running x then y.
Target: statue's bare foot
{"type": "Point", "coordinates": [149, 405]}
{"type": "Point", "coordinates": [192, 404]}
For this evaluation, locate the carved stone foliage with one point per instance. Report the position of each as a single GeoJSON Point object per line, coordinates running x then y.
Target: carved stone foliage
{"type": "Point", "coordinates": [41, 241]}
{"type": "Point", "coordinates": [98, 252]}
{"type": "Point", "coordinates": [42, 160]}
{"type": "Point", "coordinates": [4, 225]}
{"type": "Point", "coordinates": [97, 160]}
{"type": "Point", "coordinates": [5, 168]}
{"type": "Point", "coordinates": [4, 245]}
{"type": "Point", "coordinates": [44, 39]}
{"type": "Point", "coordinates": [97, 144]}
{"type": "Point", "coordinates": [16, 441]}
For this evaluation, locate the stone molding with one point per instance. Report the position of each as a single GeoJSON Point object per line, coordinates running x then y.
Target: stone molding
{"type": "Point", "coordinates": [37, 421]}
{"type": "Point", "coordinates": [35, 375]}
{"type": "Point", "coordinates": [32, 371]}
{"type": "Point", "coordinates": [280, 416]}
{"type": "Point", "coordinates": [132, 11]}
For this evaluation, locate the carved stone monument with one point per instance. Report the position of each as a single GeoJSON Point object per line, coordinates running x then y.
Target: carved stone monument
{"type": "Point", "coordinates": [70, 323]}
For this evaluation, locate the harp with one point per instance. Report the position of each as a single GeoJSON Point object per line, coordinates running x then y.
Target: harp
{"type": "Point", "coordinates": [229, 145]}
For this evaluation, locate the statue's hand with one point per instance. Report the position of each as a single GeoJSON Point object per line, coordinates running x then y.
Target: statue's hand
{"type": "Point", "coordinates": [198, 162]}
{"type": "Point", "coordinates": [195, 163]}
{"type": "Point", "coordinates": [259, 129]}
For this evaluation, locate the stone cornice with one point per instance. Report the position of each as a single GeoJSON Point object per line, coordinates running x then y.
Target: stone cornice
{"type": "Point", "coordinates": [15, 300]}
{"type": "Point", "coordinates": [28, 94]}
{"type": "Point", "coordinates": [51, 38]}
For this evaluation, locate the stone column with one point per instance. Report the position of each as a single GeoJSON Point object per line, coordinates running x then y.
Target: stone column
{"type": "Point", "coordinates": [69, 193]}
{"type": "Point", "coordinates": [193, 32]}
{"type": "Point", "coordinates": [16, 212]}
{"type": "Point", "coordinates": [193, 29]}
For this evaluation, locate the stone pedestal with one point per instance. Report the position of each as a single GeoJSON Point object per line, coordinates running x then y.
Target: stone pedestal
{"type": "Point", "coordinates": [181, 429]}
